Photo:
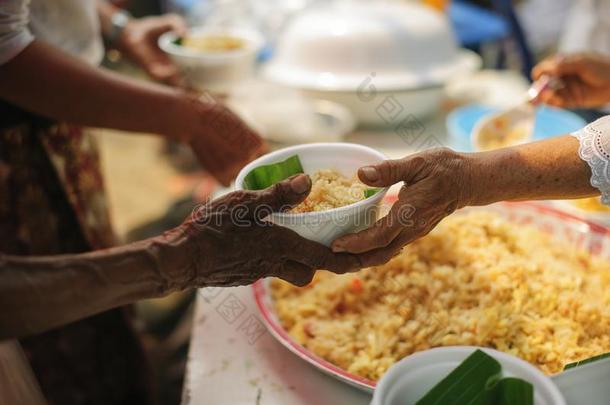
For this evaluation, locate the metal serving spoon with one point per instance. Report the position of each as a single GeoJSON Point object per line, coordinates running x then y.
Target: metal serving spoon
{"type": "Point", "coordinates": [512, 126]}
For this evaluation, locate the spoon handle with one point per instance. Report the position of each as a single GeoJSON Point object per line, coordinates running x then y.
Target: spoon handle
{"type": "Point", "coordinates": [545, 82]}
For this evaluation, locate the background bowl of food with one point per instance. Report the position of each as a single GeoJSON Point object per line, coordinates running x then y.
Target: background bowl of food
{"type": "Point", "coordinates": [338, 202]}
{"type": "Point", "coordinates": [550, 122]}
{"type": "Point", "coordinates": [361, 54]}
{"type": "Point", "coordinates": [319, 120]}
{"type": "Point", "coordinates": [213, 59]}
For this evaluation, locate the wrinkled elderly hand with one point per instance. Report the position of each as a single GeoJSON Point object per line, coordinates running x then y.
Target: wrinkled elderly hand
{"type": "Point", "coordinates": [139, 42]}
{"type": "Point", "coordinates": [436, 183]}
{"type": "Point", "coordinates": [231, 244]}
{"type": "Point", "coordinates": [585, 79]}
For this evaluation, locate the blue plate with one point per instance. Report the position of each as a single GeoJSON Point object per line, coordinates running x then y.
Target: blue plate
{"type": "Point", "coordinates": [549, 122]}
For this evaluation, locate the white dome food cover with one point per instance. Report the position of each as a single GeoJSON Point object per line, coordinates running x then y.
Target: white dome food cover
{"type": "Point", "coordinates": [336, 47]}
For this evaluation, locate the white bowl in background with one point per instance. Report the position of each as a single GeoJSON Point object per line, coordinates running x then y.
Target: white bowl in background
{"type": "Point", "coordinates": [325, 226]}
{"type": "Point", "coordinates": [420, 102]}
{"type": "Point", "coordinates": [214, 71]}
{"type": "Point", "coordinates": [319, 120]}
{"type": "Point", "coordinates": [411, 378]}
{"type": "Point", "coordinates": [402, 49]}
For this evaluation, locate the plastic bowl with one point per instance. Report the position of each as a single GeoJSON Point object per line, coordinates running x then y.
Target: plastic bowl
{"type": "Point", "coordinates": [420, 102]}
{"type": "Point", "coordinates": [214, 71]}
{"type": "Point", "coordinates": [549, 122]}
{"type": "Point", "coordinates": [411, 378]}
{"type": "Point", "coordinates": [325, 226]}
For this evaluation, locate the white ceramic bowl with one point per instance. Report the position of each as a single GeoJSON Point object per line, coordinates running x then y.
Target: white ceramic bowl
{"type": "Point", "coordinates": [214, 71]}
{"type": "Point", "coordinates": [325, 226]}
{"type": "Point", "coordinates": [408, 48]}
{"type": "Point", "coordinates": [319, 120]}
{"type": "Point", "coordinates": [586, 384]}
{"type": "Point", "coordinates": [411, 378]}
{"type": "Point", "coordinates": [420, 102]}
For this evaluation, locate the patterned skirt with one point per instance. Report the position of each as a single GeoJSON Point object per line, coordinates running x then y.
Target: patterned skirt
{"type": "Point", "coordinates": [52, 202]}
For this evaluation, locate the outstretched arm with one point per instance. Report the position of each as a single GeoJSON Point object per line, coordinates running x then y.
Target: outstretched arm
{"type": "Point", "coordinates": [544, 170]}
{"type": "Point", "coordinates": [439, 181]}
{"type": "Point", "coordinates": [224, 244]}
{"type": "Point", "coordinates": [47, 81]}
{"type": "Point", "coordinates": [39, 293]}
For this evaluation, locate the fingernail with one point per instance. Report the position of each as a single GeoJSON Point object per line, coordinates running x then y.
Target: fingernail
{"type": "Point", "coordinates": [300, 184]}
{"type": "Point", "coordinates": [370, 173]}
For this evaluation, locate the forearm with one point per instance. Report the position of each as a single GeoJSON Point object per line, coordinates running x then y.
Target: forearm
{"type": "Point", "coordinates": [550, 169]}
{"type": "Point", "coordinates": [39, 293]}
{"type": "Point", "coordinates": [47, 81]}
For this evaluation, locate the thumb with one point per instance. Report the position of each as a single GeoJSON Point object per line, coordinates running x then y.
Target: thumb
{"type": "Point", "coordinates": [177, 23]}
{"type": "Point", "coordinates": [390, 172]}
{"type": "Point", "coordinates": [240, 208]}
{"type": "Point", "coordinates": [159, 29]}
{"type": "Point", "coordinates": [281, 196]}
{"type": "Point", "coordinates": [168, 23]}
{"type": "Point", "coordinates": [571, 67]}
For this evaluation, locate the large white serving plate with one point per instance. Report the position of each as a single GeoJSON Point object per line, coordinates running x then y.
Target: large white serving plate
{"type": "Point", "coordinates": [563, 226]}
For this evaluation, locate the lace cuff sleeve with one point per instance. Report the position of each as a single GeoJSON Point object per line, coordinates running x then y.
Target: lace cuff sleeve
{"type": "Point", "coordinates": [594, 149]}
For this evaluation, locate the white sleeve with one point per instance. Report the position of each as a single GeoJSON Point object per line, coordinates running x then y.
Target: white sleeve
{"type": "Point", "coordinates": [14, 32]}
{"type": "Point", "coordinates": [594, 149]}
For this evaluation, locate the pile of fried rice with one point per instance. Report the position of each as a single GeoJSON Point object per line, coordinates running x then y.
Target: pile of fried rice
{"type": "Point", "coordinates": [475, 280]}
{"type": "Point", "coordinates": [330, 189]}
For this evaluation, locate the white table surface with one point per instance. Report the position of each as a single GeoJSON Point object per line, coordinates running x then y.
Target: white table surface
{"type": "Point", "coordinates": [234, 360]}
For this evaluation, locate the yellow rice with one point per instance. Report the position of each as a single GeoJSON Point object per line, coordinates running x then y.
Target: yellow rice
{"type": "Point", "coordinates": [475, 280]}
{"type": "Point", "coordinates": [330, 189]}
